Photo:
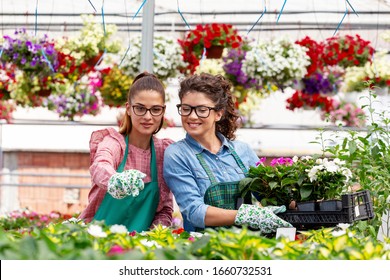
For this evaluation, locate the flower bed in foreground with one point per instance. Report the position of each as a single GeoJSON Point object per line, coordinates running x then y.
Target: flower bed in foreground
{"type": "Point", "coordinates": [72, 239]}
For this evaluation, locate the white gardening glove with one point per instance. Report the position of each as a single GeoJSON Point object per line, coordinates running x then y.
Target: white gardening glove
{"type": "Point", "coordinates": [262, 218]}
{"type": "Point", "coordinates": [128, 182]}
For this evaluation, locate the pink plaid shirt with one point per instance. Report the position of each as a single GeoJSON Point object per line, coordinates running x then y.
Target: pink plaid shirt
{"type": "Point", "coordinates": [107, 150]}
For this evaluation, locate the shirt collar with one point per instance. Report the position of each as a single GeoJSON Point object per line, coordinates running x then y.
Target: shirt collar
{"type": "Point", "coordinates": [199, 148]}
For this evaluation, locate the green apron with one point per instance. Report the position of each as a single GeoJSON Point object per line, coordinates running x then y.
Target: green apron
{"type": "Point", "coordinates": [225, 195]}
{"type": "Point", "coordinates": [136, 213]}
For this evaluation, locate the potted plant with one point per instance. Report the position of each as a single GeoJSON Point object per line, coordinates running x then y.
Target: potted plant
{"type": "Point", "coordinates": [303, 100]}
{"type": "Point", "coordinates": [210, 37]}
{"type": "Point", "coordinates": [76, 99]}
{"type": "Point", "coordinates": [92, 41]}
{"type": "Point", "coordinates": [297, 180]}
{"type": "Point", "coordinates": [167, 58]}
{"type": "Point", "coordinates": [347, 51]}
{"type": "Point", "coordinates": [279, 62]}
{"type": "Point", "coordinates": [345, 114]}
{"type": "Point", "coordinates": [115, 86]}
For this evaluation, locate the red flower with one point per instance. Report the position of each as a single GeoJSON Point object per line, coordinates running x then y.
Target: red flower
{"type": "Point", "coordinates": [178, 231]}
{"type": "Point", "coordinates": [304, 100]}
{"type": "Point", "coordinates": [205, 36]}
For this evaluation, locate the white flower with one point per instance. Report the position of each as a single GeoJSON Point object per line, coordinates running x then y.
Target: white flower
{"type": "Point", "coordinates": [295, 159]}
{"type": "Point", "coordinates": [150, 243]}
{"type": "Point", "coordinates": [338, 233]}
{"type": "Point", "coordinates": [330, 166]}
{"type": "Point", "coordinates": [96, 231]}
{"type": "Point", "coordinates": [281, 61]}
{"type": "Point", "coordinates": [118, 229]}
{"type": "Point", "coordinates": [312, 173]}
{"type": "Point", "coordinates": [196, 234]}
{"type": "Point", "coordinates": [347, 173]}
{"type": "Point", "coordinates": [167, 57]}
{"type": "Point", "coordinates": [343, 226]}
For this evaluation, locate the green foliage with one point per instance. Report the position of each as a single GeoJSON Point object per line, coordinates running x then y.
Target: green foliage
{"type": "Point", "coordinates": [299, 179]}
{"type": "Point", "coordinates": [67, 241]}
{"type": "Point", "coordinates": [367, 154]}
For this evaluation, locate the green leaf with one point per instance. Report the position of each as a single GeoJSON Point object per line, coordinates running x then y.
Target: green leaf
{"type": "Point", "coordinates": [352, 147]}
{"type": "Point", "coordinates": [288, 181]}
{"type": "Point", "coordinates": [305, 191]}
{"type": "Point", "coordinates": [273, 185]}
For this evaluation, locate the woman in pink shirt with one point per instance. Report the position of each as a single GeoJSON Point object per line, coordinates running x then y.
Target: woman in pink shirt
{"type": "Point", "coordinates": [126, 169]}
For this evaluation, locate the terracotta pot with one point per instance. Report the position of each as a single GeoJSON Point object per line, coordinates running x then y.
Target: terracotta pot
{"type": "Point", "coordinates": [44, 92]}
{"type": "Point", "coordinates": [92, 61]}
{"type": "Point", "coordinates": [214, 52]}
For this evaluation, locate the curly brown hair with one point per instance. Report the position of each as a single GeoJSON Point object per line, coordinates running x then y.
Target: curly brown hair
{"type": "Point", "coordinates": [217, 89]}
{"type": "Point", "coordinates": [144, 81]}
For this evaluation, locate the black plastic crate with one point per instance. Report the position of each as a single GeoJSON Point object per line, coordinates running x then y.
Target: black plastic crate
{"type": "Point", "coordinates": [355, 207]}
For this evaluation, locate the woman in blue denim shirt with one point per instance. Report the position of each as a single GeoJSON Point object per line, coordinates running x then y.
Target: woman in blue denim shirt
{"type": "Point", "coordinates": [203, 169]}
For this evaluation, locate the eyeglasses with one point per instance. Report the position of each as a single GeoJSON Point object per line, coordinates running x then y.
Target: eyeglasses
{"type": "Point", "coordinates": [200, 111]}
{"type": "Point", "coordinates": [154, 110]}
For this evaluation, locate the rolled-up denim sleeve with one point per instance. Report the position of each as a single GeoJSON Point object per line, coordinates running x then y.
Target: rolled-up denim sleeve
{"type": "Point", "coordinates": [181, 180]}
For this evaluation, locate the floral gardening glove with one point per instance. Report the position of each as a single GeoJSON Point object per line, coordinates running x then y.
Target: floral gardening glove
{"type": "Point", "coordinates": [128, 182]}
{"type": "Point", "coordinates": [263, 218]}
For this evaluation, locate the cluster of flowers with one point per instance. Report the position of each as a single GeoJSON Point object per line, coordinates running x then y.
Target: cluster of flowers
{"type": "Point", "coordinates": [310, 101]}
{"type": "Point", "coordinates": [205, 36]}
{"type": "Point", "coordinates": [77, 99]}
{"type": "Point", "coordinates": [6, 109]}
{"type": "Point", "coordinates": [299, 179]}
{"type": "Point", "coordinates": [26, 219]}
{"type": "Point", "coordinates": [347, 51]}
{"type": "Point", "coordinates": [167, 60]}
{"type": "Point", "coordinates": [345, 114]}
{"type": "Point", "coordinates": [278, 62]}
{"type": "Point", "coordinates": [29, 54]}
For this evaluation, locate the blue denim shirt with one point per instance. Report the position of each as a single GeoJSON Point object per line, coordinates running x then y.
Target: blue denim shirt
{"type": "Point", "coordinates": [187, 179]}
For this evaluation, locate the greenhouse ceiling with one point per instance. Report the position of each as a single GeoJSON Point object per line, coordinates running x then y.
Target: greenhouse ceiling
{"type": "Point", "coordinates": [263, 18]}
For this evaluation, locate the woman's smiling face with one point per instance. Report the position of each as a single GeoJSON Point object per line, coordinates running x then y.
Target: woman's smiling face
{"type": "Point", "coordinates": [195, 126]}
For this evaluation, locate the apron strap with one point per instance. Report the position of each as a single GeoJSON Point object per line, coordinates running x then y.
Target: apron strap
{"type": "Point", "coordinates": [210, 174]}
{"type": "Point", "coordinates": [121, 166]}
{"type": "Point", "coordinates": [153, 162]}
{"type": "Point", "coordinates": [206, 168]}
{"type": "Point", "coordinates": [238, 160]}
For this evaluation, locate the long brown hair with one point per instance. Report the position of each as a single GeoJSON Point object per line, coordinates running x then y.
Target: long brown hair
{"type": "Point", "coordinates": [217, 89]}
{"type": "Point", "coordinates": [144, 81]}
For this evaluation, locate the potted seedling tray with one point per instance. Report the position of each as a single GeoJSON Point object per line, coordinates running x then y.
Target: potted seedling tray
{"type": "Point", "coordinates": [352, 207]}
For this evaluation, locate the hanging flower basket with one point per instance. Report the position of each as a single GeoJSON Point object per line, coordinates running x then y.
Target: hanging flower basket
{"type": "Point", "coordinates": [94, 60]}
{"type": "Point", "coordinates": [214, 51]}
{"type": "Point", "coordinates": [207, 36]}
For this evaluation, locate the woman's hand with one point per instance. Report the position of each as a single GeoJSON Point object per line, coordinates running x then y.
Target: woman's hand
{"type": "Point", "coordinates": [262, 218]}
{"type": "Point", "coordinates": [129, 182]}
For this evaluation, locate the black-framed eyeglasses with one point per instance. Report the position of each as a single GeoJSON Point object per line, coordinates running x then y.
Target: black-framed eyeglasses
{"type": "Point", "coordinates": [154, 110]}
{"type": "Point", "coordinates": [200, 111]}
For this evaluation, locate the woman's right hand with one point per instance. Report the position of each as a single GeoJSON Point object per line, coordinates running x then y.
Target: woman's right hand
{"type": "Point", "coordinates": [262, 218]}
{"type": "Point", "coordinates": [128, 182]}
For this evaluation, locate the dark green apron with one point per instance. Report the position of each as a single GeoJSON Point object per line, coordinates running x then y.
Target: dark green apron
{"type": "Point", "coordinates": [225, 195]}
{"type": "Point", "coordinates": [136, 213]}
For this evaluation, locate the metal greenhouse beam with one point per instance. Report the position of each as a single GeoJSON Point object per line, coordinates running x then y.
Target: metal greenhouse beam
{"type": "Point", "coordinates": [147, 36]}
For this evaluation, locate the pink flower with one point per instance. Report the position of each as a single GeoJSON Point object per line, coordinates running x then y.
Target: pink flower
{"type": "Point", "coordinates": [261, 161]}
{"type": "Point", "coordinates": [116, 250]}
